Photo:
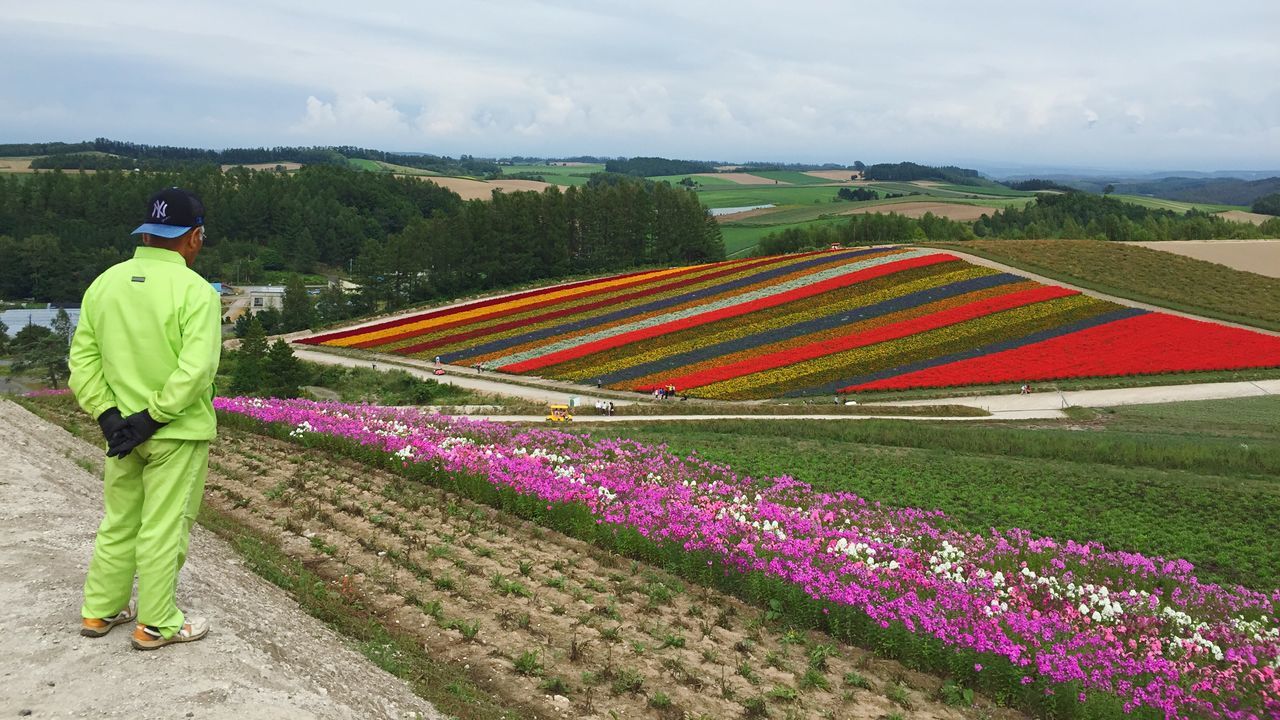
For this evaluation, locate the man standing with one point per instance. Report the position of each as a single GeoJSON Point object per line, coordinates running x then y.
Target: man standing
{"type": "Point", "coordinates": [142, 363]}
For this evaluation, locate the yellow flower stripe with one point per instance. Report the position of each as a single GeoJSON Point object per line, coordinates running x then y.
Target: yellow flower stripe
{"type": "Point", "coordinates": [532, 315]}
{"type": "Point", "coordinates": [463, 314]}
{"type": "Point", "coordinates": [864, 326]}
{"type": "Point", "coordinates": [886, 354]}
{"type": "Point", "coordinates": [669, 309]}
{"type": "Point", "coordinates": [852, 297]}
{"type": "Point", "coordinates": [697, 283]}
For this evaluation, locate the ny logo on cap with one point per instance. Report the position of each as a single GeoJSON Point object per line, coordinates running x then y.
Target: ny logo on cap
{"type": "Point", "coordinates": [160, 210]}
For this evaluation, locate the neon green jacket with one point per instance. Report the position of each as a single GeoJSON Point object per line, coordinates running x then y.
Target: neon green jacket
{"type": "Point", "coordinates": [149, 336]}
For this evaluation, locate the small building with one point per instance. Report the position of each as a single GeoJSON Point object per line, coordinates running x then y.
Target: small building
{"type": "Point", "coordinates": [15, 320]}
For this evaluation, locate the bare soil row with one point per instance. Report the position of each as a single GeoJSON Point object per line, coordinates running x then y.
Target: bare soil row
{"type": "Point", "coordinates": [545, 621]}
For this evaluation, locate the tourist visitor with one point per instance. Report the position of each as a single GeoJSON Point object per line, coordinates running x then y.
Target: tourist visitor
{"type": "Point", "coordinates": [142, 363]}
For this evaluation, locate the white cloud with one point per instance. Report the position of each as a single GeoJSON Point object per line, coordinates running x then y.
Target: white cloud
{"type": "Point", "coordinates": [1126, 83]}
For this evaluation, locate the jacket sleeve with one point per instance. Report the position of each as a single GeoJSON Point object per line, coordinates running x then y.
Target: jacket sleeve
{"type": "Point", "coordinates": [201, 328]}
{"type": "Point", "coordinates": [85, 362]}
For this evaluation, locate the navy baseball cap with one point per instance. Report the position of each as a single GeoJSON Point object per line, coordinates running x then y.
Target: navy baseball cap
{"type": "Point", "coordinates": [171, 212]}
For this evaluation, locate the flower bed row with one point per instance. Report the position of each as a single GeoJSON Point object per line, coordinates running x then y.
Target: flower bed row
{"type": "Point", "coordinates": [1055, 623]}
{"type": "Point", "coordinates": [808, 324]}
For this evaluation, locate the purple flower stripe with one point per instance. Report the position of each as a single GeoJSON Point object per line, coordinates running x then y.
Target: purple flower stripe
{"type": "Point", "coordinates": [1143, 628]}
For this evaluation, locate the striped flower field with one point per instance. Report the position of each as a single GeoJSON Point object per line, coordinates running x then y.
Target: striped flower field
{"type": "Point", "coordinates": [816, 323]}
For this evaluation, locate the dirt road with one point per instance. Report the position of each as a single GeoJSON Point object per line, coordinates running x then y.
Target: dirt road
{"type": "Point", "coordinates": [264, 657]}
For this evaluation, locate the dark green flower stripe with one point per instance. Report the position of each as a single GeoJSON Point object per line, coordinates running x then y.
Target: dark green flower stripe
{"type": "Point", "coordinates": [828, 322]}
{"type": "Point", "coordinates": [831, 387]}
{"type": "Point", "coordinates": [591, 322]}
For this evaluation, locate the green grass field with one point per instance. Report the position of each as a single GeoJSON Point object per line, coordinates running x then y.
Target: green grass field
{"type": "Point", "coordinates": [789, 176]}
{"type": "Point", "coordinates": [703, 180]}
{"type": "Point", "coordinates": [1172, 480]}
{"type": "Point", "coordinates": [720, 196]}
{"type": "Point", "coordinates": [1142, 274]}
{"type": "Point", "coordinates": [557, 174]}
{"type": "Point", "coordinates": [1176, 205]}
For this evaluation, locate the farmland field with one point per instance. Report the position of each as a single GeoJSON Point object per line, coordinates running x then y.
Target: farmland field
{"type": "Point", "coordinates": [1144, 275]}
{"type": "Point", "coordinates": [1158, 479]}
{"type": "Point", "coordinates": [563, 175]}
{"type": "Point", "coordinates": [1177, 206]}
{"type": "Point", "coordinates": [506, 610]}
{"type": "Point", "coordinates": [896, 576]}
{"type": "Point", "coordinates": [1255, 256]}
{"type": "Point", "coordinates": [813, 324]}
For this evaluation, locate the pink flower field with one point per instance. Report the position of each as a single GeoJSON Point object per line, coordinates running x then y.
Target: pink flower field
{"type": "Point", "coordinates": [1060, 612]}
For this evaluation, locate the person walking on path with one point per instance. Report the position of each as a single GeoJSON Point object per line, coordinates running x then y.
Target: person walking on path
{"type": "Point", "coordinates": [142, 361]}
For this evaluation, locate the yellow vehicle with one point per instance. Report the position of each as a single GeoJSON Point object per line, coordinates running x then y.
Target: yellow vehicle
{"type": "Point", "coordinates": [558, 412]}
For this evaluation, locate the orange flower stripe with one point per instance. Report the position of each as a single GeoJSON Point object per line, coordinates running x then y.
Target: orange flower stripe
{"type": "Point", "coordinates": [464, 314]}
{"type": "Point", "coordinates": [835, 261]}
{"type": "Point", "coordinates": [733, 328]}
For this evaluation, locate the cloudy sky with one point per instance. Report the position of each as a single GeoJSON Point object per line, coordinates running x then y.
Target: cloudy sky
{"type": "Point", "coordinates": [1117, 84]}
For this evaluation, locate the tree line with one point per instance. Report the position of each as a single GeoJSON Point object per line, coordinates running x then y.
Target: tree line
{"type": "Point", "coordinates": [403, 239]}
{"type": "Point", "coordinates": [1086, 216]}
{"type": "Point", "coordinates": [107, 154]}
{"type": "Point", "coordinates": [1067, 216]}
{"type": "Point", "coordinates": [651, 166]}
{"type": "Point", "coordinates": [909, 171]}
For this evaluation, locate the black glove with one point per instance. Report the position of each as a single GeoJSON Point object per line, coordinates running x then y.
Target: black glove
{"type": "Point", "coordinates": [111, 422]}
{"type": "Point", "coordinates": [139, 427]}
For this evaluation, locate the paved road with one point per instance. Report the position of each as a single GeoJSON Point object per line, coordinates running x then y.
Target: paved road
{"type": "Point", "coordinates": [1037, 405]}
{"type": "Point", "coordinates": [264, 657]}
{"type": "Point", "coordinates": [536, 389]}
{"type": "Point", "coordinates": [1045, 414]}
{"type": "Point", "coordinates": [1000, 404]}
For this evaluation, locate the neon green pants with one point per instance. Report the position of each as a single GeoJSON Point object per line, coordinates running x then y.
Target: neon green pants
{"type": "Point", "coordinates": [151, 498]}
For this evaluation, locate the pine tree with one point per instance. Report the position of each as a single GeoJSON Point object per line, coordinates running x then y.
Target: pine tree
{"type": "Point", "coordinates": [283, 371]}
{"type": "Point", "coordinates": [249, 376]}
{"type": "Point", "coordinates": [298, 312]}
{"type": "Point", "coordinates": [4, 338]}
{"type": "Point", "coordinates": [62, 327]}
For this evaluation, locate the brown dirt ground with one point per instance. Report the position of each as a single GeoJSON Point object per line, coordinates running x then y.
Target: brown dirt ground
{"type": "Point", "coordinates": [615, 631]}
{"type": "Point", "coordinates": [834, 175]}
{"type": "Point", "coordinates": [16, 164]}
{"type": "Point", "coordinates": [951, 211]}
{"type": "Point", "coordinates": [479, 189]}
{"type": "Point", "coordinates": [264, 657]}
{"type": "Point", "coordinates": [742, 178]}
{"type": "Point", "coordinates": [1242, 216]}
{"type": "Point", "coordinates": [288, 166]}
{"type": "Point", "coordinates": [1255, 256]}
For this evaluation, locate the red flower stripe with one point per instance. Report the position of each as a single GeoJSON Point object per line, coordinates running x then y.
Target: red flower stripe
{"type": "Point", "coordinates": [729, 312]}
{"type": "Point", "coordinates": [606, 285]}
{"type": "Point", "coordinates": [1149, 343]}
{"type": "Point", "coordinates": [564, 312]}
{"type": "Point", "coordinates": [952, 316]}
{"type": "Point", "coordinates": [390, 324]}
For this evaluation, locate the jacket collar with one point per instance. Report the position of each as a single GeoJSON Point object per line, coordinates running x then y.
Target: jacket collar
{"type": "Point", "coordinates": [144, 252]}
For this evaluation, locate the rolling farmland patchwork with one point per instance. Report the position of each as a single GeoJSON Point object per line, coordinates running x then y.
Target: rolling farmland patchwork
{"type": "Point", "coordinates": [813, 324]}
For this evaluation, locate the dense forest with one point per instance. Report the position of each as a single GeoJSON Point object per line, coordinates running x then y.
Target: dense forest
{"type": "Point", "coordinates": [907, 171]}
{"type": "Point", "coordinates": [1072, 216]}
{"type": "Point", "coordinates": [1036, 184]}
{"type": "Point", "coordinates": [1268, 204]}
{"type": "Point", "coordinates": [1086, 216]}
{"type": "Point", "coordinates": [405, 239]}
{"type": "Point", "coordinates": [1225, 191]}
{"type": "Point", "coordinates": [105, 154]}
{"type": "Point", "coordinates": [867, 229]}
{"type": "Point", "coordinates": [651, 166]}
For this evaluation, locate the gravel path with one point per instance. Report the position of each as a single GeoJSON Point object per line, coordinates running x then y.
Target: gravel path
{"type": "Point", "coordinates": [264, 657]}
